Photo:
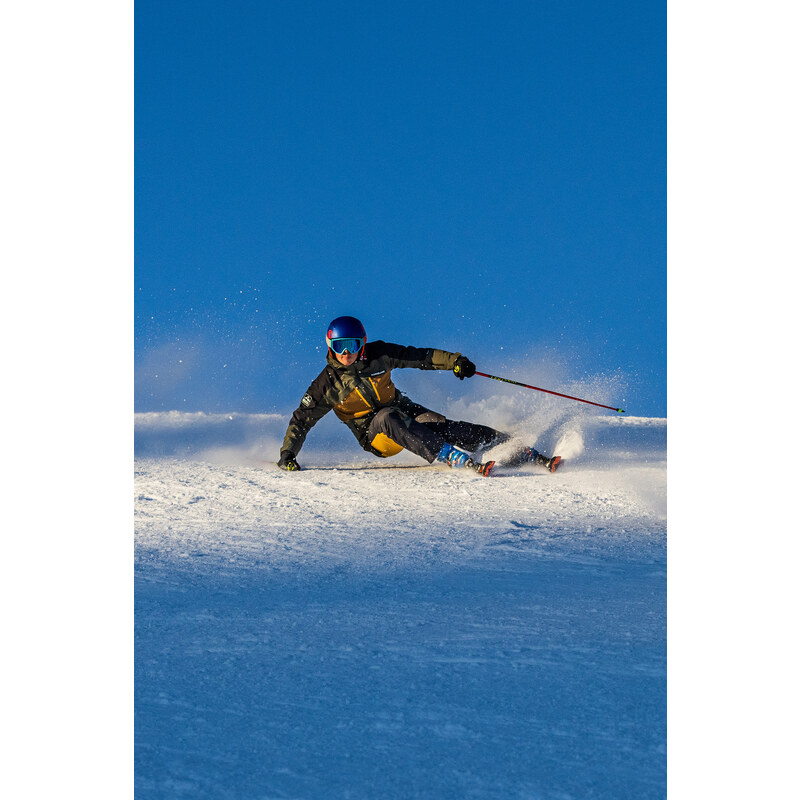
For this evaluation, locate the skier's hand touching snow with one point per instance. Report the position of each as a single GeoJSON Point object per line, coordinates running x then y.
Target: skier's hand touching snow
{"type": "Point", "coordinates": [287, 461]}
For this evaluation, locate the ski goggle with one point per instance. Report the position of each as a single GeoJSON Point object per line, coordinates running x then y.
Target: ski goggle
{"type": "Point", "coordinates": [350, 345]}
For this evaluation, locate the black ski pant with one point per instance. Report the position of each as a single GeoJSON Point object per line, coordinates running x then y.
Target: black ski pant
{"type": "Point", "coordinates": [425, 438]}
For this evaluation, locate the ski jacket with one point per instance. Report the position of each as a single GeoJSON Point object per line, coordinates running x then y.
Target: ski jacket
{"type": "Point", "coordinates": [355, 393]}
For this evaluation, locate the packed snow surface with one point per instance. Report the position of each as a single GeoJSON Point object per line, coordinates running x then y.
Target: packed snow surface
{"type": "Point", "coordinates": [371, 628]}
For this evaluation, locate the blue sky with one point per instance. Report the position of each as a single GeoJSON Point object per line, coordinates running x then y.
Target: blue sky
{"type": "Point", "coordinates": [481, 177]}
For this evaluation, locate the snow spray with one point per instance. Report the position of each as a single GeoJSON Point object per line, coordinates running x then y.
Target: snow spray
{"type": "Point", "coordinates": [557, 394]}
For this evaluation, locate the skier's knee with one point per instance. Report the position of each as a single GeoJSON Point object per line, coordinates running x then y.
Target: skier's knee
{"type": "Point", "coordinates": [430, 416]}
{"type": "Point", "coordinates": [386, 418]}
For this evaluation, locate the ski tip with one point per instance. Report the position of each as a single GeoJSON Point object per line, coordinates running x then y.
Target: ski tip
{"type": "Point", "coordinates": [486, 469]}
{"type": "Point", "coordinates": [620, 411]}
{"type": "Point", "coordinates": [554, 463]}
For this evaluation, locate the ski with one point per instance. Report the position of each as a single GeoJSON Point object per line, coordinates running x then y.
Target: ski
{"type": "Point", "coordinates": [529, 455]}
{"type": "Point", "coordinates": [483, 469]}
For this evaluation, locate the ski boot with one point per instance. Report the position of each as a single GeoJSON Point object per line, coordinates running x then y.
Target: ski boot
{"type": "Point", "coordinates": [454, 457]}
{"type": "Point", "coordinates": [531, 456]}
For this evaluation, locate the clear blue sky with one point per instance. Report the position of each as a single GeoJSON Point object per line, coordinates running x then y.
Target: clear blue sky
{"type": "Point", "coordinates": [487, 177]}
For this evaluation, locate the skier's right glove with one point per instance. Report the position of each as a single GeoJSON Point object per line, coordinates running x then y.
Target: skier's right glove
{"type": "Point", "coordinates": [287, 461]}
{"type": "Point", "coordinates": [463, 368]}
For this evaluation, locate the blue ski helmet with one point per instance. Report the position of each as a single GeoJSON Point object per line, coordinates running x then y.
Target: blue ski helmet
{"type": "Point", "coordinates": [346, 334]}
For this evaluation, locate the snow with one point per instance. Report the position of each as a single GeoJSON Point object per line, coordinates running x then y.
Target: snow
{"type": "Point", "coordinates": [374, 628]}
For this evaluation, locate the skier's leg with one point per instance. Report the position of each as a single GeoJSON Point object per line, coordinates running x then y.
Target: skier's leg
{"type": "Point", "coordinates": [473, 437]}
{"type": "Point", "coordinates": [467, 434]}
{"type": "Point", "coordinates": [462, 434]}
{"type": "Point", "coordinates": [406, 432]}
{"type": "Point", "coordinates": [396, 426]}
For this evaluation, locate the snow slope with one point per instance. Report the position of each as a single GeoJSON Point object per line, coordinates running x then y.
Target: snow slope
{"type": "Point", "coordinates": [373, 628]}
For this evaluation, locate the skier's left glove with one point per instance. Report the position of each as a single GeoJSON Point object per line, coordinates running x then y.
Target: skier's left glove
{"type": "Point", "coordinates": [463, 368]}
{"type": "Point", "coordinates": [288, 462]}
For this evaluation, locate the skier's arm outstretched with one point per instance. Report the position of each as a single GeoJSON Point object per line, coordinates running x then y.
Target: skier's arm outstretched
{"type": "Point", "coordinates": [401, 357]}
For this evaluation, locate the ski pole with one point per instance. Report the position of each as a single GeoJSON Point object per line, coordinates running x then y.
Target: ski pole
{"type": "Point", "coordinates": [557, 394]}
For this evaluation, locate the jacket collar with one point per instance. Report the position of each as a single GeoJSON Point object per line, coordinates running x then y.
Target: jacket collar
{"type": "Point", "coordinates": [352, 369]}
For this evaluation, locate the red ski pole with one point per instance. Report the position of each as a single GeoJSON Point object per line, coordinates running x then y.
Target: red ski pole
{"type": "Point", "coordinates": [557, 394]}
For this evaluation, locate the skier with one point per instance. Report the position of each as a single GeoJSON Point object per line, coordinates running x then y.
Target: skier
{"type": "Point", "coordinates": [357, 384]}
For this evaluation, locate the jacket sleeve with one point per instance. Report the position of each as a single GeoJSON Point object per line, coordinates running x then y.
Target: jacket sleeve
{"type": "Point", "coordinates": [313, 407]}
{"type": "Point", "coordinates": [400, 357]}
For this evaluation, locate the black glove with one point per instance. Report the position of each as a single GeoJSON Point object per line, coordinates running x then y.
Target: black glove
{"type": "Point", "coordinates": [463, 368]}
{"type": "Point", "coordinates": [287, 461]}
